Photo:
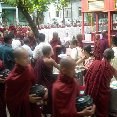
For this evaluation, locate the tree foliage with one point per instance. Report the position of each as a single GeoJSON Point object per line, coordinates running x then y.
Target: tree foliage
{"type": "Point", "coordinates": [31, 5]}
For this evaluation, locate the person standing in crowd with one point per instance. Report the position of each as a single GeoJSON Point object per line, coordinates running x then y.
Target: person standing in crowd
{"type": "Point", "coordinates": [2, 93]}
{"type": "Point", "coordinates": [6, 53]}
{"type": "Point", "coordinates": [38, 49]}
{"type": "Point", "coordinates": [79, 40]}
{"type": "Point", "coordinates": [27, 47]}
{"type": "Point", "coordinates": [44, 74]}
{"type": "Point", "coordinates": [88, 57]}
{"type": "Point", "coordinates": [16, 43]}
{"type": "Point", "coordinates": [18, 84]}
{"type": "Point", "coordinates": [65, 92]}
{"type": "Point", "coordinates": [74, 50]}
{"type": "Point", "coordinates": [65, 39]}
{"type": "Point", "coordinates": [114, 47]}
{"type": "Point", "coordinates": [97, 81]}
{"type": "Point", "coordinates": [104, 42]}
{"type": "Point", "coordinates": [32, 39]}
{"type": "Point", "coordinates": [56, 45]}
{"type": "Point", "coordinates": [97, 48]}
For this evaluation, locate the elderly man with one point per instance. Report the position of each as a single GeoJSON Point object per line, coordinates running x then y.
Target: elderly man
{"type": "Point", "coordinates": [97, 80]}
{"type": "Point", "coordinates": [65, 91]}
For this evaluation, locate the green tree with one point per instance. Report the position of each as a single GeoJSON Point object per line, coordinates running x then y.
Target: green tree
{"type": "Point", "coordinates": [29, 6]}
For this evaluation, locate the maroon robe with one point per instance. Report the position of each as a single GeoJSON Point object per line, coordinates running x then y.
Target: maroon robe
{"type": "Point", "coordinates": [57, 51]}
{"type": "Point", "coordinates": [44, 75]}
{"type": "Point", "coordinates": [97, 80]}
{"type": "Point", "coordinates": [65, 91]}
{"type": "Point", "coordinates": [97, 51]}
{"type": "Point", "coordinates": [104, 44]}
{"type": "Point", "coordinates": [2, 96]}
{"type": "Point", "coordinates": [18, 86]}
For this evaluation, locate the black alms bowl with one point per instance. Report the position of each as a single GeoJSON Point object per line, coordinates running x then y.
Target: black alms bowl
{"type": "Point", "coordinates": [37, 89]}
{"type": "Point", "coordinates": [83, 102]}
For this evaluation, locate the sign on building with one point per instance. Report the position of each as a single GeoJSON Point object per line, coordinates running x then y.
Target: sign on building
{"type": "Point", "coordinates": [95, 5]}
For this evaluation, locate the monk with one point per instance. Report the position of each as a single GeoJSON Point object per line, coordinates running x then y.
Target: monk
{"type": "Point", "coordinates": [97, 80]}
{"type": "Point", "coordinates": [44, 74]}
{"type": "Point", "coordinates": [56, 45]}
{"type": "Point", "coordinates": [65, 91]}
{"type": "Point", "coordinates": [79, 40]}
{"type": "Point", "coordinates": [18, 84]}
{"type": "Point", "coordinates": [97, 48]}
{"type": "Point", "coordinates": [104, 41]}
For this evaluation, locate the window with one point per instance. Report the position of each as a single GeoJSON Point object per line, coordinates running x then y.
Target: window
{"type": "Point", "coordinates": [57, 13]}
{"type": "Point", "coordinates": [79, 11]}
{"type": "Point", "coordinates": [67, 12]}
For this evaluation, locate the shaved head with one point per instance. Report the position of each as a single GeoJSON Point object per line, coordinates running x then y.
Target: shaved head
{"type": "Point", "coordinates": [67, 67]}
{"type": "Point", "coordinates": [97, 36]}
{"type": "Point", "coordinates": [21, 56]}
{"type": "Point", "coordinates": [67, 62]}
{"type": "Point", "coordinates": [18, 52]}
{"type": "Point", "coordinates": [108, 54]}
{"type": "Point", "coordinates": [55, 35]}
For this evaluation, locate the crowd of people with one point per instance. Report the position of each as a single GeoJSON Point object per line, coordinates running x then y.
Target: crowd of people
{"type": "Point", "coordinates": [32, 63]}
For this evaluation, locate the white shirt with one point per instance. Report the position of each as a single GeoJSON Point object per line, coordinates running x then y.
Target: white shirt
{"type": "Point", "coordinates": [114, 61]}
{"type": "Point", "coordinates": [76, 53]}
{"type": "Point", "coordinates": [28, 49]}
{"type": "Point", "coordinates": [38, 50]}
{"type": "Point", "coordinates": [63, 41]}
{"type": "Point", "coordinates": [16, 43]}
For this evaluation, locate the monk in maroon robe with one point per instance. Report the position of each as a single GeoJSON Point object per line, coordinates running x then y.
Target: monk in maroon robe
{"type": "Point", "coordinates": [97, 48]}
{"type": "Point", "coordinates": [56, 45]}
{"type": "Point", "coordinates": [65, 92]}
{"type": "Point", "coordinates": [18, 84]}
{"type": "Point", "coordinates": [97, 80]}
{"type": "Point", "coordinates": [79, 40]}
{"type": "Point", "coordinates": [44, 74]}
{"type": "Point", "coordinates": [104, 41]}
{"type": "Point", "coordinates": [2, 94]}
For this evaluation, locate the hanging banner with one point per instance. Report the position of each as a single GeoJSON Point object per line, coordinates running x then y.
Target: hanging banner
{"type": "Point", "coordinates": [95, 5]}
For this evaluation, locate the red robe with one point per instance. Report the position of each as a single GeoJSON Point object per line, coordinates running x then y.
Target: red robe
{"type": "Point", "coordinates": [97, 51]}
{"type": "Point", "coordinates": [57, 51]}
{"type": "Point", "coordinates": [18, 85]}
{"type": "Point", "coordinates": [97, 80]}
{"type": "Point", "coordinates": [44, 75]}
{"type": "Point", "coordinates": [65, 91]}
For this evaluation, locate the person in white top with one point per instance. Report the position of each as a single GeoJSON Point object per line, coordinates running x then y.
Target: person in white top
{"type": "Point", "coordinates": [114, 47]}
{"type": "Point", "coordinates": [38, 49]}
{"type": "Point", "coordinates": [27, 47]}
{"type": "Point", "coordinates": [75, 50]}
{"type": "Point", "coordinates": [16, 43]}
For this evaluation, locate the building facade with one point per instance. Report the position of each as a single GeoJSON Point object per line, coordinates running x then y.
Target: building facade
{"type": "Point", "coordinates": [10, 15]}
{"type": "Point", "coordinates": [69, 14]}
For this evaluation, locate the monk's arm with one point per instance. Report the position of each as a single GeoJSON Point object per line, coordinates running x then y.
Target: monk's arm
{"type": "Point", "coordinates": [115, 75]}
{"type": "Point", "coordinates": [55, 64]}
{"type": "Point", "coordinates": [80, 61]}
